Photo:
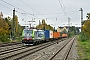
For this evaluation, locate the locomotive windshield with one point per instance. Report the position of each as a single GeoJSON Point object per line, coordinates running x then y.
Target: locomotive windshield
{"type": "Point", "coordinates": [26, 32]}
{"type": "Point", "coordinates": [40, 34]}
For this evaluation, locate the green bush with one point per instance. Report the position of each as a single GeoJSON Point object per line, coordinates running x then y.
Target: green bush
{"type": "Point", "coordinates": [83, 48]}
{"type": "Point", "coordinates": [4, 39]}
{"type": "Point", "coordinates": [18, 39]}
{"type": "Point", "coordinates": [83, 37]}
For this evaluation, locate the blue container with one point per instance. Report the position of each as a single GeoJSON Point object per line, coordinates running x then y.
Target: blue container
{"type": "Point", "coordinates": [47, 34]}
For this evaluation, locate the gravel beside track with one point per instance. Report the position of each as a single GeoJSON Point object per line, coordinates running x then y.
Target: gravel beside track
{"type": "Point", "coordinates": [46, 53]}
{"type": "Point", "coordinates": [64, 52]}
{"type": "Point", "coordinates": [73, 53]}
{"type": "Point", "coordinates": [12, 50]}
{"type": "Point", "coordinates": [24, 52]}
{"type": "Point", "coordinates": [9, 44]}
{"type": "Point", "coordinates": [10, 47]}
{"type": "Point", "coordinates": [39, 52]}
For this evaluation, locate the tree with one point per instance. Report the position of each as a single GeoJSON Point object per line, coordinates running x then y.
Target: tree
{"type": "Point", "coordinates": [4, 27]}
{"type": "Point", "coordinates": [9, 22]}
{"type": "Point", "coordinates": [44, 26]}
{"type": "Point", "coordinates": [18, 28]}
{"type": "Point", "coordinates": [43, 21]}
{"type": "Point", "coordinates": [86, 28]}
{"type": "Point", "coordinates": [88, 16]}
{"type": "Point", "coordinates": [72, 31]}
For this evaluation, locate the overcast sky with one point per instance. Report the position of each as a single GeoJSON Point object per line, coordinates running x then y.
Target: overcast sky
{"type": "Point", "coordinates": [55, 12]}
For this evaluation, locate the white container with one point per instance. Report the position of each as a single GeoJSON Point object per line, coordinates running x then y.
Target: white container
{"type": "Point", "coordinates": [51, 34]}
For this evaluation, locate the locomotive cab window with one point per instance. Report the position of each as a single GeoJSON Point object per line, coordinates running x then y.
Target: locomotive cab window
{"type": "Point", "coordinates": [28, 32]}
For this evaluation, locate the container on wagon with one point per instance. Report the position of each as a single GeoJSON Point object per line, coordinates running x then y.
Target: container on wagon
{"type": "Point", "coordinates": [51, 34]}
{"type": "Point", "coordinates": [64, 35]}
{"type": "Point", "coordinates": [56, 35]}
{"type": "Point", "coordinates": [47, 34]}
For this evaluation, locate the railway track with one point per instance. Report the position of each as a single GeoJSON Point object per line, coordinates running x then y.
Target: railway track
{"type": "Point", "coordinates": [21, 52]}
{"type": "Point", "coordinates": [46, 53]}
{"type": "Point", "coordinates": [2, 52]}
{"type": "Point", "coordinates": [63, 53]}
{"type": "Point", "coordinates": [68, 51]}
{"type": "Point", "coordinates": [9, 44]}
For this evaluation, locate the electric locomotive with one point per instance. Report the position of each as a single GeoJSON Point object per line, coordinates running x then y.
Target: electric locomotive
{"type": "Point", "coordinates": [32, 36]}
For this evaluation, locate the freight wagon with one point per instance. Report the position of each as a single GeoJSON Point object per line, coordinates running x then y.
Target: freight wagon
{"type": "Point", "coordinates": [64, 35]}
{"type": "Point", "coordinates": [48, 35]}
{"type": "Point", "coordinates": [56, 35]}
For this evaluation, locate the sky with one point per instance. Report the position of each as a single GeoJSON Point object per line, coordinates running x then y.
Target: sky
{"type": "Point", "coordinates": [55, 12]}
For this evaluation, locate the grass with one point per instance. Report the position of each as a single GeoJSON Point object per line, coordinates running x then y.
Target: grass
{"type": "Point", "coordinates": [6, 39]}
{"type": "Point", "coordinates": [83, 49]}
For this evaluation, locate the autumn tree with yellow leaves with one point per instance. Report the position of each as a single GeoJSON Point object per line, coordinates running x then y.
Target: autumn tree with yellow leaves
{"type": "Point", "coordinates": [86, 26]}
{"type": "Point", "coordinates": [43, 25]}
{"type": "Point", "coordinates": [4, 27]}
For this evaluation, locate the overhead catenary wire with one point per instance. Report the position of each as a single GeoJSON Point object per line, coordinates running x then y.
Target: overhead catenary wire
{"type": "Point", "coordinates": [38, 14]}
{"type": "Point", "coordinates": [62, 8]}
{"type": "Point", "coordinates": [35, 10]}
{"type": "Point", "coordinates": [10, 9]}
{"type": "Point", "coordinates": [31, 7]}
{"type": "Point", "coordinates": [9, 13]}
{"type": "Point", "coordinates": [21, 10]}
{"type": "Point", "coordinates": [6, 6]}
{"type": "Point", "coordinates": [17, 7]}
{"type": "Point", "coordinates": [15, 10]}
